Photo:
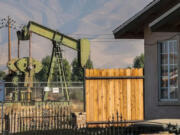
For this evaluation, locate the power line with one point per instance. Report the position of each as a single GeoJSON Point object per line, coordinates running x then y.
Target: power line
{"type": "Point", "coordinates": [83, 34]}
{"type": "Point", "coordinates": [170, 38]}
{"type": "Point", "coordinates": [106, 41]}
{"type": "Point", "coordinates": [92, 38]}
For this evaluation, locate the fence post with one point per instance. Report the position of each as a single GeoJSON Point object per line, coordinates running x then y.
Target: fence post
{"type": "Point", "coordinates": [84, 89]}
{"type": "Point", "coordinates": [7, 124]}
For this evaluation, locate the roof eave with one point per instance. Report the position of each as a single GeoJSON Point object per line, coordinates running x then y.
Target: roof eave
{"type": "Point", "coordinates": [125, 25]}
{"type": "Point", "coordinates": [163, 20]}
{"type": "Point", "coordinates": [128, 36]}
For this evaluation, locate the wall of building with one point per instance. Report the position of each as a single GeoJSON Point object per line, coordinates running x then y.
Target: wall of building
{"type": "Point", "coordinates": [154, 109]}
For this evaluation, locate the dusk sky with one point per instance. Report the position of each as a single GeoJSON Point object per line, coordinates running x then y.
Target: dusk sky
{"type": "Point", "coordinates": [92, 19]}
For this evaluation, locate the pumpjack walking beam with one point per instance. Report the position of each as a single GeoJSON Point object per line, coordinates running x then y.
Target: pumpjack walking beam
{"type": "Point", "coordinates": [82, 46]}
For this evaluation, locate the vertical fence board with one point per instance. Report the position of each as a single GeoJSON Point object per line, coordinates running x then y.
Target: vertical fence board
{"type": "Point", "coordinates": [124, 84]}
{"type": "Point", "coordinates": [104, 105]}
{"type": "Point", "coordinates": [116, 93]}
{"type": "Point", "coordinates": [107, 97]}
{"type": "Point", "coordinates": [133, 90]}
{"type": "Point", "coordinates": [121, 99]}
{"type": "Point", "coordinates": [128, 73]}
{"type": "Point", "coordinates": [141, 106]}
{"type": "Point", "coordinates": [87, 95]}
{"type": "Point", "coordinates": [95, 93]}
{"type": "Point", "coordinates": [91, 89]}
{"type": "Point", "coordinates": [100, 98]}
{"type": "Point", "coordinates": [111, 95]}
{"type": "Point", "coordinates": [137, 95]}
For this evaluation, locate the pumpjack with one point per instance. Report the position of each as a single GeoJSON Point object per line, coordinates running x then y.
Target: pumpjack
{"type": "Point", "coordinates": [30, 66]}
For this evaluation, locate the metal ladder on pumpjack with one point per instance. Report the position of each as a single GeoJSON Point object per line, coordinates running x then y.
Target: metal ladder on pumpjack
{"type": "Point", "coordinates": [57, 61]}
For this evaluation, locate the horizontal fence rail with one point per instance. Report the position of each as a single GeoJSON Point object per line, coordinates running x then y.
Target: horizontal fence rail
{"type": "Point", "coordinates": [114, 77]}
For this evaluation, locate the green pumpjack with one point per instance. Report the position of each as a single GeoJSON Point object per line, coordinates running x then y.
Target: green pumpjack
{"type": "Point", "coordinates": [82, 46]}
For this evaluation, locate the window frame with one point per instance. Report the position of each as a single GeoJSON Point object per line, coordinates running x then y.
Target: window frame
{"type": "Point", "coordinates": [159, 43]}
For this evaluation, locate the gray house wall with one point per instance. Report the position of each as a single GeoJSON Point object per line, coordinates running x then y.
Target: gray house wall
{"type": "Point", "coordinates": [154, 109]}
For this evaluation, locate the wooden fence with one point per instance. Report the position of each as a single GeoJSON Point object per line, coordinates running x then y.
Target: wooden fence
{"type": "Point", "coordinates": [114, 91]}
{"type": "Point", "coordinates": [45, 116]}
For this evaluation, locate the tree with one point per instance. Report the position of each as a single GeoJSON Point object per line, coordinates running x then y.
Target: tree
{"type": "Point", "coordinates": [139, 61]}
{"type": "Point", "coordinates": [43, 74]}
{"type": "Point", "coordinates": [77, 70]}
{"type": "Point", "coordinates": [67, 68]}
{"type": "Point", "coordinates": [2, 75]}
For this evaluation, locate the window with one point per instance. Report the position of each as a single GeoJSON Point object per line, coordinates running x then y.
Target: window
{"type": "Point", "coordinates": [169, 70]}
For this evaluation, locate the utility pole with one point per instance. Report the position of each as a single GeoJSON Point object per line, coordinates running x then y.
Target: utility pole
{"type": "Point", "coordinates": [30, 83]}
{"type": "Point", "coordinates": [18, 48]}
{"type": "Point", "coordinates": [9, 38]}
{"type": "Point", "coordinates": [10, 24]}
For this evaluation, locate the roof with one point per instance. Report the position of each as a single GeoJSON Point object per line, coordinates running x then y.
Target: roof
{"type": "Point", "coordinates": [168, 22]}
{"type": "Point", "coordinates": [134, 27]}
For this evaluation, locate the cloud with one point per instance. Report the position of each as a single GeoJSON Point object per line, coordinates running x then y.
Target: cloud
{"type": "Point", "coordinates": [120, 55]}
{"type": "Point", "coordinates": [22, 11]}
{"type": "Point", "coordinates": [89, 17]}
{"type": "Point", "coordinates": [105, 19]}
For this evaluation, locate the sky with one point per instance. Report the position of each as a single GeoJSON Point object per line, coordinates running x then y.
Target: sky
{"type": "Point", "coordinates": [92, 19]}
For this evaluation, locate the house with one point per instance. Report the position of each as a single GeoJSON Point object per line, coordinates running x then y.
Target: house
{"type": "Point", "coordinates": [159, 25]}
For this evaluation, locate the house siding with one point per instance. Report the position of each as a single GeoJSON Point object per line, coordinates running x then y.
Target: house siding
{"type": "Point", "coordinates": [154, 109]}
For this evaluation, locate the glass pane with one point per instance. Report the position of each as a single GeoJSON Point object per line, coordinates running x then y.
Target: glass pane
{"type": "Point", "coordinates": [170, 42]}
{"type": "Point", "coordinates": [164, 93]}
{"type": "Point", "coordinates": [172, 51]}
{"type": "Point", "coordinates": [173, 76]}
{"type": "Point", "coordinates": [173, 93]}
{"type": "Point", "coordinates": [164, 48]}
{"type": "Point", "coordinates": [171, 58]}
{"type": "Point", "coordinates": [164, 70]}
{"type": "Point", "coordinates": [164, 81]}
{"type": "Point", "coordinates": [175, 48]}
{"type": "Point", "coordinates": [175, 58]}
{"type": "Point", "coordinates": [173, 81]}
{"type": "Point", "coordinates": [171, 47]}
{"type": "Point", "coordinates": [173, 70]}
{"type": "Point", "coordinates": [164, 58]}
